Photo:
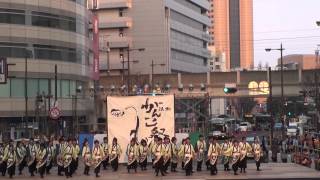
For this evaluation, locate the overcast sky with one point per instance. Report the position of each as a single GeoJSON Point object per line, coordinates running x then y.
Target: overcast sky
{"type": "Point", "coordinates": [292, 22]}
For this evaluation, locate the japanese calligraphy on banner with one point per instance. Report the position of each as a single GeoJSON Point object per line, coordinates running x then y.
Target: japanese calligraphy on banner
{"type": "Point", "coordinates": [139, 116]}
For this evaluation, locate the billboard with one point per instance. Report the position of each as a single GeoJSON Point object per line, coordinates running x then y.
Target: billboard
{"type": "Point", "coordinates": [139, 116]}
{"type": "Point", "coordinates": [3, 70]}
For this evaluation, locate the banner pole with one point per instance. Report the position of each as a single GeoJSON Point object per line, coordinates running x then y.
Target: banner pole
{"type": "Point", "coordinates": [107, 127]}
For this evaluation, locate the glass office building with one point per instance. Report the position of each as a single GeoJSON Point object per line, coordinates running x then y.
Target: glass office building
{"type": "Point", "coordinates": [42, 34]}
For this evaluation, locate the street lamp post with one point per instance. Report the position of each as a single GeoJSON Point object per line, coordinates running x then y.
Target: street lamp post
{"type": "Point", "coordinates": [26, 91]}
{"type": "Point", "coordinates": [317, 51]}
{"type": "Point", "coordinates": [27, 51]}
{"type": "Point", "coordinates": [152, 72]}
{"type": "Point", "coordinates": [128, 63]}
{"type": "Point", "coordinates": [281, 49]}
{"type": "Point", "coordinates": [46, 109]}
{"type": "Point", "coordinates": [75, 118]}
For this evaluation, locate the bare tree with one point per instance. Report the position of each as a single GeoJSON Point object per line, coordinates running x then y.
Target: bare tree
{"type": "Point", "coordinates": [259, 66]}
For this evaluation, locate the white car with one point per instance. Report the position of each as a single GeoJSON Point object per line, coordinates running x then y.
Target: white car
{"type": "Point", "coordinates": [218, 134]}
{"type": "Point", "coordinates": [245, 126]}
{"type": "Point", "coordinates": [292, 131]}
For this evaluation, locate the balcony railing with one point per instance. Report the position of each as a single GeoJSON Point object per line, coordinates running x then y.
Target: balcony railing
{"type": "Point", "coordinates": [120, 22]}
{"type": "Point", "coordinates": [114, 4]}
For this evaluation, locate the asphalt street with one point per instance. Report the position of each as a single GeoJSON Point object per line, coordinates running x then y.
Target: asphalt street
{"type": "Point", "coordinates": [269, 171]}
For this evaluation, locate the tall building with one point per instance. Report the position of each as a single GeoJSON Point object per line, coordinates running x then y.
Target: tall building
{"type": "Point", "coordinates": [232, 32]}
{"type": "Point", "coordinates": [173, 32]}
{"type": "Point", "coordinates": [35, 36]}
{"type": "Point", "coordinates": [217, 61]}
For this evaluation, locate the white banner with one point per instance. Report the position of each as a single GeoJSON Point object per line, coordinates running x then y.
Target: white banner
{"type": "Point", "coordinates": [139, 116]}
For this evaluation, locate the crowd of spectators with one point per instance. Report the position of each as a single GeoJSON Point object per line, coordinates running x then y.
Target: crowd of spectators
{"type": "Point", "coordinates": [302, 149]}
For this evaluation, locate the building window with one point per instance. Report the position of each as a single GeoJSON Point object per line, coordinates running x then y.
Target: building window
{"type": "Point", "coordinates": [120, 12]}
{"type": "Point", "coordinates": [12, 16]}
{"type": "Point", "coordinates": [5, 89]}
{"type": "Point", "coordinates": [81, 2]}
{"type": "Point", "coordinates": [121, 56]}
{"type": "Point", "coordinates": [43, 86]}
{"type": "Point", "coordinates": [73, 87]}
{"type": "Point", "coordinates": [58, 88]}
{"type": "Point", "coordinates": [33, 85]}
{"type": "Point", "coordinates": [217, 67]}
{"type": "Point", "coordinates": [120, 32]}
{"type": "Point", "coordinates": [205, 62]}
{"type": "Point", "coordinates": [205, 45]}
{"type": "Point", "coordinates": [204, 28]}
{"type": "Point", "coordinates": [211, 63]}
{"type": "Point", "coordinates": [216, 59]}
{"type": "Point", "coordinates": [16, 90]}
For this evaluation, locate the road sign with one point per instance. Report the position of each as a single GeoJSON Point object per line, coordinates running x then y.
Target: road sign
{"type": "Point", "coordinates": [55, 113]}
{"type": "Point", "coordinates": [3, 70]}
{"type": "Point", "coordinates": [230, 85]}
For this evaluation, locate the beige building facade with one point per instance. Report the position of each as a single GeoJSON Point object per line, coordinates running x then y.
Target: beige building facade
{"type": "Point", "coordinates": [232, 32]}
{"type": "Point", "coordinates": [304, 61]}
{"type": "Point", "coordinates": [37, 35]}
{"type": "Point", "coordinates": [173, 32]}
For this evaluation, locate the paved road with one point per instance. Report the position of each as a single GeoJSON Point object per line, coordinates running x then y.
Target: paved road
{"type": "Point", "coordinates": [269, 171]}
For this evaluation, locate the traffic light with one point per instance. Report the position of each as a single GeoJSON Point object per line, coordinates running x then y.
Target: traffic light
{"type": "Point", "coordinates": [230, 90]}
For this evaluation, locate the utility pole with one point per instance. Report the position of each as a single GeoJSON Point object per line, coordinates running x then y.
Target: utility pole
{"type": "Point", "coordinates": [281, 49]}
{"type": "Point", "coordinates": [317, 58]}
{"type": "Point", "coordinates": [128, 78]}
{"type": "Point", "coordinates": [270, 108]}
{"type": "Point", "coordinates": [55, 84]}
{"type": "Point", "coordinates": [59, 127]}
{"type": "Point", "coordinates": [122, 74]}
{"type": "Point", "coordinates": [128, 62]}
{"type": "Point", "coordinates": [282, 98]}
{"type": "Point", "coordinates": [152, 72]}
{"type": "Point", "coordinates": [26, 91]}
{"type": "Point", "coordinates": [152, 82]}
{"type": "Point", "coordinates": [108, 58]}
{"type": "Point", "coordinates": [316, 81]}
{"type": "Point", "coordinates": [49, 101]}
{"type": "Point", "coordinates": [76, 114]}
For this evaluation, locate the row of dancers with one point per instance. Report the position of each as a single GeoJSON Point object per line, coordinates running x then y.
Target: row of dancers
{"type": "Point", "coordinates": [233, 153]}
{"type": "Point", "coordinates": [40, 157]}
